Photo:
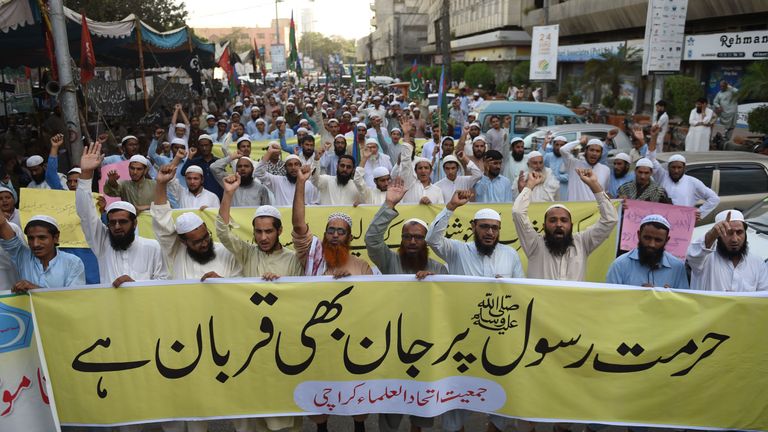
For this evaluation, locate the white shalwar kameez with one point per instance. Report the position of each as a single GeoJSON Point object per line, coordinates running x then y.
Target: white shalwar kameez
{"type": "Point", "coordinates": [577, 189]}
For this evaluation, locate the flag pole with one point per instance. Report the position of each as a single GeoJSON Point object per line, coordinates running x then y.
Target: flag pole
{"type": "Point", "coordinates": [141, 66]}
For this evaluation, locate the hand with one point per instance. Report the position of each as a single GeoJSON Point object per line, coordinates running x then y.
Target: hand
{"type": "Point", "coordinates": [723, 228]}
{"type": "Point", "coordinates": [180, 155]}
{"type": "Point", "coordinates": [101, 203]}
{"type": "Point", "coordinates": [23, 286]}
{"type": "Point", "coordinates": [282, 128]}
{"type": "Point", "coordinates": [535, 179]}
{"type": "Point", "coordinates": [203, 207]}
{"type": "Point", "coordinates": [210, 274]}
{"type": "Point", "coordinates": [92, 157]}
{"type": "Point", "coordinates": [231, 183]}
{"type": "Point", "coordinates": [159, 132]}
{"type": "Point", "coordinates": [113, 176]}
{"type": "Point", "coordinates": [165, 174]}
{"type": "Point", "coordinates": [590, 179]}
{"type": "Point", "coordinates": [459, 198]}
{"type": "Point", "coordinates": [583, 140]}
{"type": "Point", "coordinates": [425, 200]}
{"type": "Point", "coordinates": [320, 152]}
{"type": "Point", "coordinates": [236, 154]}
{"type": "Point", "coordinates": [367, 153]}
{"type": "Point", "coordinates": [421, 274]}
{"type": "Point", "coordinates": [272, 151]}
{"type": "Point", "coordinates": [269, 276]}
{"type": "Point", "coordinates": [102, 138]}
{"type": "Point", "coordinates": [612, 133]}
{"type": "Point", "coordinates": [121, 280]}
{"type": "Point", "coordinates": [461, 156]}
{"type": "Point", "coordinates": [192, 152]}
{"type": "Point", "coordinates": [232, 128]}
{"type": "Point", "coordinates": [304, 173]}
{"type": "Point", "coordinates": [436, 150]}
{"type": "Point", "coordinates": [338, 274]}
{"type": "Point", "coordinates": [698, 215]}
{"type": "Point", "coordinates": [296, 150]}
{"type": "Point", "coordinates": [57, 140]}
{"type": "Point", "coordinates": [395, 192]}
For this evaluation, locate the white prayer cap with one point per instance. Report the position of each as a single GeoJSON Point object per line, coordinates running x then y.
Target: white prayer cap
{"type": "Point", "coordinates": [236, 113]}
{"type": "Point", "coordinates": [735, 216]}
{"type": "Point", "coordinates": [204, 136]}
{"type": "Point", "coordinates": [475, 94]}
{"type": "Point", "coordinates": [280, 119]}
{"type": "Point", "coordinates": [244, 138]}
{"type": "Point", "coordinates": [140, 159]}
{"type": "Point", "coordinates": [560, 138]}
{"type": "Point", "coordinates": [238, 104]}
{"type": "Point", "coordinates": [594, 141]}
{"type": "Point", "coordinates": [479, 138]}
{"type": "Point", "coordinates": [340, 136]}
{"type": "Point", "coordinates": [554, 206]}
{"type": "Point", "coordinates": [302, 129]}
{"type": "Point", "coordinates": [416, 109]}
{"type": "Point", "coordinates": [677, 158]}
{"type": "Point", "coordinates": [371, 141]}
{"type": "Point", "coordinates": [534, 154]}
{"type": "Point", "coordinates": [657, 219]}
{"type": "Point", "coordinates": [179, 141]}
{"type": "Point", "coordinates": [302, 121]}
{"type": "Point", "coordinates": [416, 221]}
{"type": "Point", "coordinates": [75, 171]}
{"type": "Point", "coordinates": [487, 213]}
{"type": "Point", "coordinates": [126, 138]}
{"type": "Point", "coordinates": [44, 218]}
{"type": "Point", "coordinates": [475, 124]}
{"type": "Point", "coordinates": [260, 120]}
{"type": "Point", "coordinates": [210, 116]}
{"type": "Point", "coordinates": [443, 139]}
{"type": "Point", "coordinates": [222, 121]}
{"type": "Point", "coordinates": [194, 169]}
{"type": "Point", "coordinates": [347, 113]}
{"type": "Point", "coordinates": [450, 158]}
{"type": "Point", "coordinates": [396, 129]}
{"type": "Point", "coordinates": [644, 162]}
{"type": "Point", "coordinates": [354, 119]}
{"type": "Point", "coordinates": [5, 189]}
{"type": "Point", "coordinates": [377, 98]}
{"type": "Point", "coordinates": [380, 171]}
{"type": "Point", "coordinates": [34, 161]}
{"type": "Point", "coordinates": [333, 120]}
{"type": "Point", "coordinates": [267, 210]}
{"type": "Point", "coordinates": [187, 222]}
{"type": "Point", "coordinates": [292, 156]}
{"type": "Point", "coordinates": [472, 114]}
{"type": "Point", "coordinates": [419, 159]}
{"type": "Point", "coordinates": [361, 125]}
{"type": "Point", "coordinates": [623, 156]}
{"type": "Point", "coordinates": [180, 126]}
{"type": "Point", "coordinates": [122, 205]}
{"type": "Point", "coordinates": [516, 139]}
{"type": "Point", "coordinates": [374, 115]}
{"type": "Point", "coordinates": [343, 216]}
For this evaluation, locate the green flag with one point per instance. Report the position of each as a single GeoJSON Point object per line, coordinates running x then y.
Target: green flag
{"type": "Point", "coordinates": [293, 60]}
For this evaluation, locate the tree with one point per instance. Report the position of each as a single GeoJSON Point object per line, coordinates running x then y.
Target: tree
{"type": "Point", "coordinates": [754, 85]}
{"type": "Point", "coordinates": [610, 67]}
{"type": "Point", "coordinates": [318, 47]}
{"type": "Point", "coordinates": [520, 73]}
{"type": "Point", "coordinates": [681, 92]}
{"type": "Point", "coordinates": [457, 71]}
{"type": "Point", "coordinates": [159, 14]}
{"type": "Point", "coordinates": [239, 39]}
{"type": "Point", "coordinates": [479, 74]}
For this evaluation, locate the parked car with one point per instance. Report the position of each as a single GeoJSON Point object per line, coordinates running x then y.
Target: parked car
{"type": "Point", "coordinates": [756, 218]}
{"type": "Point", "coordinates": [740, 179]}
{"type": "Point", "coordinates": [572, 132]}
{"type": "Point", "coordinates": [526, 116]}
{"type": "Point", "coordinates": [432, 97]}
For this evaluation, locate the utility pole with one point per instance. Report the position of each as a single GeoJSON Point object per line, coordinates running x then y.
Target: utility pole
{"type": "Point", "coordinates": [68, 88]}
{"type": "Point", "coordinates": [277, 24]}
{"type": "Point", "coordinates": [445, 38]}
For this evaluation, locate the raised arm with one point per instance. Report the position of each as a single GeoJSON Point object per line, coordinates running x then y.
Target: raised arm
{"type": "Point", "coordinates": [443, 247]}
{"type": "Point", "coordinates": [529, 238]}
{"type": "Point", "coordinates": [95, 231]}
{"type": "Point", "coordinates": [52, 169]}
{"type": "Point", "coordinates": [598, 232]}
{"type": "Point", "coordinates": [230, 184]}
{"type": "Point", "coordinates": [377, 248]}
{"type": "Point", "coordinates": [298, 215]}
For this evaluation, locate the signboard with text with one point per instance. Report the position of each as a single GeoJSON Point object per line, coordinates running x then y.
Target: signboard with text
{"type": "Point", "coordinates": [664, 32]}
{"type": "Point", "coordinates": [727, 46]}
{"type": "Point", "coordinates": [544, 53]}
{"type": "Point", "coordinates": [277, 52]}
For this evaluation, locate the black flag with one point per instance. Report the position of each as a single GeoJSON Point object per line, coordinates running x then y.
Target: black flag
{"type": "Point", "coordinates": [192, 67]}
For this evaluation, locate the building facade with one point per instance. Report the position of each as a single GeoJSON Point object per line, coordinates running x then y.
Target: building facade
{"type": "Point", "coordinates": [263, 36]}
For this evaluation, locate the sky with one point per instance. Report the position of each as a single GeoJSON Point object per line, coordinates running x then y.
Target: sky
{"type": "Point", "coordinates": [258, 13]}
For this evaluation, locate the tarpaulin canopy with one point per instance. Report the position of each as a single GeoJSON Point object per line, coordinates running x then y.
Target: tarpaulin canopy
{"type": "Point", "coordinates": [22, 40]}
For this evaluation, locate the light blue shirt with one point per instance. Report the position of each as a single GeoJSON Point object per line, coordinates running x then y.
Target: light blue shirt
{"type": "Point", "coordinates": [63, 270]}
{"type": "Point", "coordinates": [627, 270]}
{"type": "Point", "coordinates": [288, 133]}
{"type": "Point", "coordinates": [498, 190]}
{"type": "Point", "coordinates": [555, 163]}
{"type": "Point", "coordinates": [615, 183]}
{"type": "Point", "coordinates": [254, 133]}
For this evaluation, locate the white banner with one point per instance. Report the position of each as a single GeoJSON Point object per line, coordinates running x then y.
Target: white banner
{"type": "Point", "coordinates": [727, 46]}
{"type": "Point", "coordinates": [544, 53]}
{"type": "Point", "coordinates": [278, 58]}
{"type": "Point", "coordinates": [664, 33]}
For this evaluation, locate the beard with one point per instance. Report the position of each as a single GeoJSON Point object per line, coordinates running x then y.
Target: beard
{"type": "Point", "coordinates": [413, 262]}
{"type": "Point", "coordinates": [699, 109]}
{"type": "Point", "coordinates": [343, 179]}
{"type": "Point", "coordinates": [556, 152]}
{"type": "Point", "coordinates": [123, 242]}
{"type": "Point", "coordinates": [335, 255]}
{"type": "Point", "coordinates": [339, 151]}
{"type": "Point", "coordinates": [246, 180]}
{"type": "Point", "coordinates": [483, 249]}
{"type": "Point", "coordinates": [649, 257]}
{"type": "Point", "coordinates": [558, 246]}
{"type": "Point", "coordinates": [723, 251]}
{"type": "Point", "coordinates": [620, 174]}
{"type": "Point", "coordinates": [518, 156]}
{"type": "Point", "coordinates": [204, 256]}
{"type": "Point", "coordinates": [291, 178]}
{"type": "Point", "coordinates": [38, 178]}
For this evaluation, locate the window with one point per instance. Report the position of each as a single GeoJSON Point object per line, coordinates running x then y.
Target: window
{"type": "Point", "coordinates": [743, 179]}
{"type": "Point", "coordinates": [703, 173]}
{"type": "Point", "coordinates": [259, 35]}
{"type": "Point", "coordinates": [525, 124]}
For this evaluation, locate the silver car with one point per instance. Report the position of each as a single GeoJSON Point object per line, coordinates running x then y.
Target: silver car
{"type": "Point", "coordinates": [573, 132]}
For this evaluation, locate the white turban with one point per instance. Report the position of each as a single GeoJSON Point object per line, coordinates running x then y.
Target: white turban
{"type": "Point", "coordinates": [487, 213]}
{"type": "Point", "coordinates": [187, 222]}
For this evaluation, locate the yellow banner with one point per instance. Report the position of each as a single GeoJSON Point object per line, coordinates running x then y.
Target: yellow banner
{"type": "Point", "coordinates": [525, 348]}
{"type": "Point", "coordinates": [58, 204]}
{"type": "Point", "coordinates": [259, 148]}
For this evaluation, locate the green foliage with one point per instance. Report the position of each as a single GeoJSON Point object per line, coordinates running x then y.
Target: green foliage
{"type": "Point", "coordinates": [159, 14]}
{"type": "Point", "coordinates": [608, 101]}
{"type": "Point", "coordinates": [758, 120]}
{"type": "Point", "coordinates": [576, 101]}
{"type": "Point", "coordinates": [520, 73]}
{"type": "Point", "coordinates": [754, 85]}
{"type": "Point", "coordinates": [479, 74]}
{"type": "Point", "coordinates": [609, 68]}
{"type": "Point", "coordinates": [238, 39]}
{"type": "Point", "coordinates": [624, 105]}
{"type": "Point", "coordinates": [457, 71]}
{"type": "Point", "coordinates": [318, 46]}
{"type": "Point", "coordinates": [502, 88]}
{"type": "Point", "coordinates": [405, 75]}
{"type": "Point", "coordinates": [562, 97]}
{"type": "Point", "coordinates": [681, 92]}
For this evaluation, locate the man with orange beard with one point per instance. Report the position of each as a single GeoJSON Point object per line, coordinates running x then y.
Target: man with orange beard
{"type": "Point", "coordinates": [327, 257]}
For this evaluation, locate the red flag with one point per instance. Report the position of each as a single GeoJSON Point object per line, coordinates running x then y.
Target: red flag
{"type": "Point", "coordinates": [87, 56]}
{"type": "Point", "coordinates": [224, 62]}
{"type": "Point", "coordinates": [51, 55]}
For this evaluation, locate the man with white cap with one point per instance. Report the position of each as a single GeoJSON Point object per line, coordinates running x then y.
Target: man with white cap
{"type": "Point", "coordinates": [40, 264]}
{"type": "Point", "coordinates": [330, 159]}
{"type": "Point", "coordinates": [546, 191]}
{"type": "Point", "coordinates": [649, 265]}
{"type": "Point", "coordinates": [281, 129]}
{"type": "Point", "coordinates": [283, 186]}
{"type": "Point", "coordinates": [257, 129]}
{"type": "Point", "coordinates": [8, 205]}
{"type": "Point", "coordinates": [452, 181]}
{"type": "Point", "coordinates": [417, 175]}
{"type": "Point", "coordinates": [38, 169]}
{"type": "Point", "coordinates": [338, 189]}
{"type": "Point", "coordinates": [593, 151]}
{"type": "Point", "coordinates": [721, 259]}
{"type": "Point", "coordinates": [433, 146]}
{"type": "Point", "coordinates": [179, 129]}
{"type": "Point", "coordinates": [559, 254]}
{"type": "Point", "coordinates": [553, 160]}
{"type": "Point", "coordinates": [129, 147]}
{"type": "Point", "coordinates": [377, 128]}
{"type": "Point", "coordinates": [372, 195]}
{"type": "Point", "coordinates": [474, 104]}
{"type": "Point", "coordinates": [210, 121]}
{"type": "Point", "coordinates": [418, 123]}
{"type": "Point", "coordinates": [194, 195]}
{"type": "Point", "coordinates": [620, 174]}
{"type": "Point", "coordinates": [377, 109]}
{"type": "Point", "coordinates": [122, 255]}
{"type": "Point", "coordinates": [73, 175]}
{"type": "Point", "coordinates": [681, 188]}
{"type": "Point", "coordinates": [250, 192]}
{"type": "Point", "coordinates": [643, 188]}
{"type": "Point", "coordinates": [371, 158]}
{"type": "Point", "coordinates": [515, 160]}
{"type": "Point", "coordinates": [139, 190]}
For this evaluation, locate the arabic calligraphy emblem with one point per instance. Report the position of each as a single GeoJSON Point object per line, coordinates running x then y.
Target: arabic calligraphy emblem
{"type": "Point", "coordinates": [495, 313]}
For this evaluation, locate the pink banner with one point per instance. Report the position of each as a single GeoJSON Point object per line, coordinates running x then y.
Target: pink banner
{"type": "Point", "coordinates": [122, 169]}
{"type": "Point", "coordinates": [681, 218]}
